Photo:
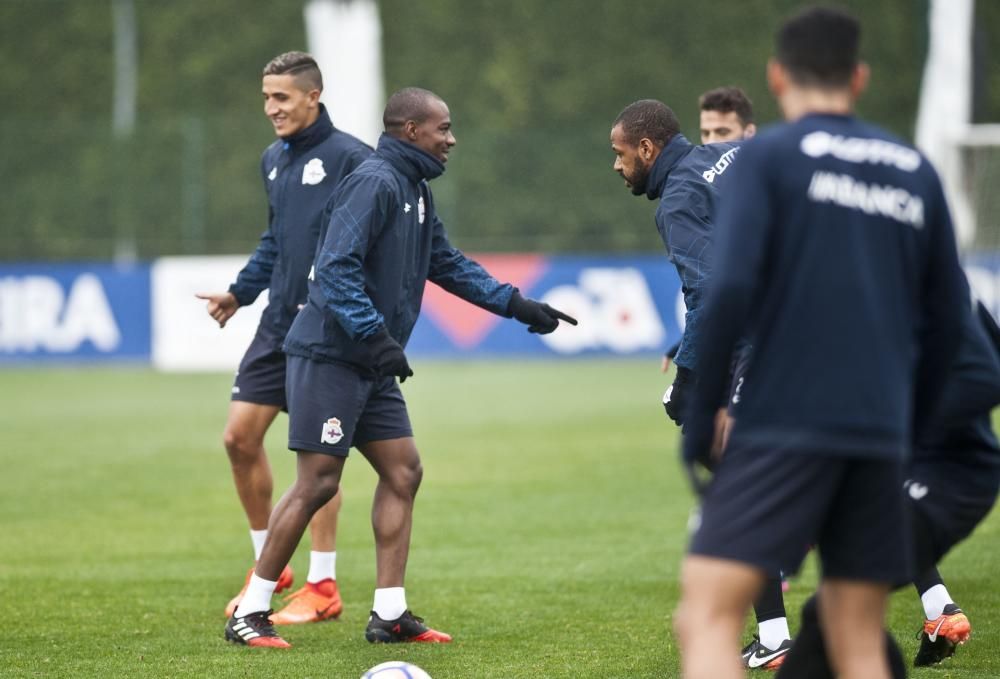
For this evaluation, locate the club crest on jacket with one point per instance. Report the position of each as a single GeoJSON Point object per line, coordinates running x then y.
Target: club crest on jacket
{"type": "Point", "coordinates": [313, 173]}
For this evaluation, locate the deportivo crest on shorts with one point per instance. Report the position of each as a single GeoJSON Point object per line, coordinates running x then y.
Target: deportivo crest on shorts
{"type": "Point", "coordinates": [313, 173]}
{"type": "Point", "coordinates": [332, 431]}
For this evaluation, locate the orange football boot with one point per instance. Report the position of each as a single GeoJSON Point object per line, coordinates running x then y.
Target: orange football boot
{"type": "Point", "coordinates": [313, 603]}
{"type": "Point", "coordinates": [953, 626]}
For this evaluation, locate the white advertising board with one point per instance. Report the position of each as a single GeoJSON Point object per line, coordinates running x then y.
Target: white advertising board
{"type": "Point", "coordinates": [185, 338]}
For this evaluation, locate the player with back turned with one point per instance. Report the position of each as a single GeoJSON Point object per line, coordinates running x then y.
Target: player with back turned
{"type": "Point", "coordinates": [836, 259]}
{"type": "Point", "coordinates": [726, 115]}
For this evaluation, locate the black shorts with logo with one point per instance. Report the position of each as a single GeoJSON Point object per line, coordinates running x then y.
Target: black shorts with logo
{"type": "Point", "coordinates": [331, 408]}
{"type": "Point", "coordinates": [766, 507]}
{"type": "Point", "coordinates": [260, 378]}
{"type": "Point", "coordinates": [947, 500]}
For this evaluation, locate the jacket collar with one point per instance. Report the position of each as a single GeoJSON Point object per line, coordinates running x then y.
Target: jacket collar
{"type": "Point", "coordinates": [415, 163]}
{"type": "Point", "coordinates": [312, 135]}
{"type": "Point", "coordinates": [669, 157]}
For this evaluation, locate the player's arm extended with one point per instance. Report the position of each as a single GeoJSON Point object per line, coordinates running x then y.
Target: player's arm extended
{"type": "Point", "coordinates": [355, 223]}
{"type": "Point", "coordinates": [465, 278]}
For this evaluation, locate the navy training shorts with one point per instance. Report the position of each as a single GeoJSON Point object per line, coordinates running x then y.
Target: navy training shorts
{"type": "Point", "coordinates": [947, 501]}
{"type": "Point", "coordinates": [766, 507]}
{"type": "Point", "coordinates": [260, 378]}
{"type": "Point", "coordinates": [332, 407]}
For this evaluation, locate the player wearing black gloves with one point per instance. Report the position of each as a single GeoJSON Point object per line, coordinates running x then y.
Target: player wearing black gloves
{"type": "Point", "coordinates": [538, 316]}
{"type": "Point", "coordinates": [388, 359]}
{"type": "Point", "coordinates": [675, 399]}
{"type": "Point", "coordinates": [657, 161]}
{"type": "Point", "coordinates": [382, 244]}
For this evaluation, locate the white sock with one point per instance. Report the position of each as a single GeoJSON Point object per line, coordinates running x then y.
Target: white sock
{"type": "Point", "coordinates": [257, 597]}
{"type": "Point", "coordinates": [390, 602]}
{"type": "Point", "coordinates": [772, 632]}
{"type": "Point", "coordinates": [322, 566]}
{"type": "Point", "coordinates": [258, 537]}
{"type": "Point", "coordinates": [934, 600]}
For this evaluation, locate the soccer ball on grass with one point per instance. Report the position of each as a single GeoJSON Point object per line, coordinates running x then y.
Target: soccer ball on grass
{"type": "Point", "coordinates": [395, 669]}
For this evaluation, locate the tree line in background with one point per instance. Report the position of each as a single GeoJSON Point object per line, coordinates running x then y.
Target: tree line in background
{"type": "Point", "coordinates": [533, 87]}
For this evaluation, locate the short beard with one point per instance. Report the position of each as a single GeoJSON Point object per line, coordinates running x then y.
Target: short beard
{"type": "Point", "coordinates": [639, 180]}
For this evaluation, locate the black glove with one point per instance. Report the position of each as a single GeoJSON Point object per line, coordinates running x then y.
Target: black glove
{"type": "Point", "coordinates": [675, 400]}
{"type": "Point", "coordinates": [387, 356]}
{"type": "Point", "coordinates": [696, 446]}
{"type": "Point", "coordinates": [539, 317]}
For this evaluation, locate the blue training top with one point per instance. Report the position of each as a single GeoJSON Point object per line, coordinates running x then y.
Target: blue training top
{"type": "Point", "coordinates": [299, 173]}
{"type": "Point", "coordinates": [959, 441]}
{"type": "Point", "coordinates": [836, 257]}
{"type": "Point", "coordinates": [687, 180]}
{"type": "Point", "coordinates": [382, 244]}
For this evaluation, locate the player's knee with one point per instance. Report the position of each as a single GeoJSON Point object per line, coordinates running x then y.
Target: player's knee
{"type": "Point", "coordinates": [691, 620]}
{"type": "Point", "coordinates": [326, 488]}
{"type": "Point", "coordinates": [316, 491]}
{"type": "Point", "coordinates": [241, 447]}
{"type": "Point", "coordinates": [412, 475]}
{"type": "Point", "coordinates": [405, 478]}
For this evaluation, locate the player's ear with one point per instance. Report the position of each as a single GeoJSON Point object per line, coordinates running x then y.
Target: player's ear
{"type": "Point", "coordinates": [410, 129]}
{"type": "Point", "coordinates": [777, 79]}
{"type": "Point", "coordinates": [859, 79]}
{"type": "Point", "coordinates": [749, 131]}
{"type": "Point", "coordinates": [647, 150]}
{"type": "Point", "coordinates": [313, 96]}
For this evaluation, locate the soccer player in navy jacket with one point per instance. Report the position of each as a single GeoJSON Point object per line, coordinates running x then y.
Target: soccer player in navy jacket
{"type": "Point", "coordinates": [836, 259]}
{"type": "Point", "coordinates": [299, 171]}
{"type": "Point", "coordinates": [383, 242]}
{"type": "Point", "coordinates": [725, 115]}
{"type": "Point", "coordinates": [657, 161]}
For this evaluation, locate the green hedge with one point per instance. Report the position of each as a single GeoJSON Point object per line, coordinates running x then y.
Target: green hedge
{"type": "Point", "coordinates": [533, 87]}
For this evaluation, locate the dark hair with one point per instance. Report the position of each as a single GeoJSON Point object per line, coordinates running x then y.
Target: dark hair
{"type": "Point", "coordinates": [409, 103]}
{"type": "Point", "coordinates": [298, 64]}
{"type": "Point", "coordinates": [648, 118]}
{"type": "Point", "coordinates": [819, 46]}
{"type": "Point", "coordinates": [728, 100]}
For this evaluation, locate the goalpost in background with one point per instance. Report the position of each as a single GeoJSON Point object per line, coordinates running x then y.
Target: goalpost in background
{"type": "Point", "coordinates": [345, 37]}
{"type": "Point", "coordinates": [966, 155]}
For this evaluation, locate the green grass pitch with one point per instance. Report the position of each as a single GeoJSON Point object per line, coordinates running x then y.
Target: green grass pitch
{"type": "Point", "coordinates": [548, 531]}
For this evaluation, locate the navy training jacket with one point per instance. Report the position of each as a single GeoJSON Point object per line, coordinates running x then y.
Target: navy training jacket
{"type": "Point", "coordinates": [382, 244]}
{"type": "Point", "coordinates": [299, 173]}
{"type": "Point", "coordinates": [687, 180]}
{"type": "Point", "coordinates": [960, 441]}
{"type": "Point", "coordinates": [836, 258]}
